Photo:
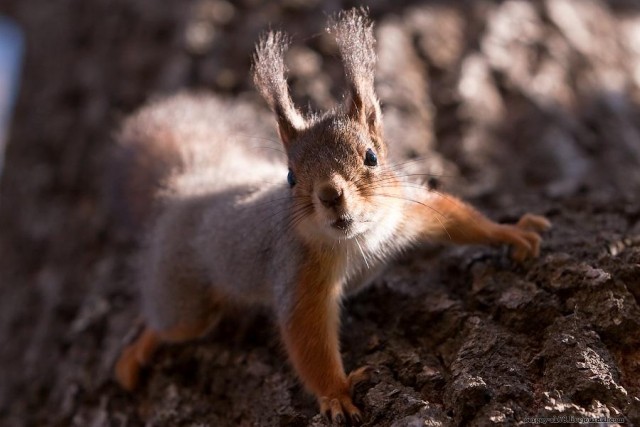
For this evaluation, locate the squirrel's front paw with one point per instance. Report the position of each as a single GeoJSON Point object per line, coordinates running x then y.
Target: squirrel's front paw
{"type": "Point", "coordinates": [339, 407]}
{"type": "Point", "coordinates": [524, 236]}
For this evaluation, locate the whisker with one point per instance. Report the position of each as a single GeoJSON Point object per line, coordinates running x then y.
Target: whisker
{"type": "Point", "coordinates": [422, 204]}
{"type": "Point", "coordinates": [294, 210]}
{"type": "Point", "coordinates": [286, 211]}
{"type": "Point", "coordinates": [280, 199]}
{"type": "Point", "coordinates": [387, 184]}
{"type": "Point", "coordinates": [398, 167]}
{"type": "Point", "coordinates": [406, 162]}
{"type": "Point", "coordinates": [400, 176]}
{"type": "Point", "coordinates": [262, 138]}
{"type": "Point", "coordinates": [269, 148]}
{"type": "Point", "coordinates": [282, 227]}
{"type": "Point", "coordinates": [366, 262]}
{"type": "Point", "coordinates": [291, 222]}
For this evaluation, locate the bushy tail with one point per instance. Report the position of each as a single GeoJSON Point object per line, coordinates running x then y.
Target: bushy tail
{"type": "Point", "coordinates": [144, 158]}
{"type": "Point", "coordinates": [187, 146]}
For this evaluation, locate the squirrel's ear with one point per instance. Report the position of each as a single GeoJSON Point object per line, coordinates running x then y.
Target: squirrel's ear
{"type": "Point", "coordinates": [354, 34]}
{"type": "Point", "coordinates": [270, 79]}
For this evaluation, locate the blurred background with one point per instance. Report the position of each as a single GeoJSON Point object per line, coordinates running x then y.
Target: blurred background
{"type": "Point", "coordinates": [515, 105]}
{"type": "Point", "coordinates": [11, 49]}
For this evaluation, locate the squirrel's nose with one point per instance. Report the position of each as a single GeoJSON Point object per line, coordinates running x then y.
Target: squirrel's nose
{"type": "Point", "coordinates": [330, 196]}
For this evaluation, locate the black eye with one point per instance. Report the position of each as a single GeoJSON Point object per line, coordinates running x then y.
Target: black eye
{"type": "Point", "coordinates": [370, 159]}
{"type": "Point", "coordinates": [291, 179]}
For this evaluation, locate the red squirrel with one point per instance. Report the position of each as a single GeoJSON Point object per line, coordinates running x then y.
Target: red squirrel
{"type": "Point", "coordinates": [236, 227]}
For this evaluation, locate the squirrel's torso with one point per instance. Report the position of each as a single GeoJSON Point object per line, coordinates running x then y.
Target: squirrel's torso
{"type": "Point", "coordinates": [227, 218]}
{"type": "Point", "coordinates": [226, 213]}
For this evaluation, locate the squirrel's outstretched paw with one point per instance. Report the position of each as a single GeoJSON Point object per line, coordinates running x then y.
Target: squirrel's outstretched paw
{"type": "Point", "coordinates": [524, 236]}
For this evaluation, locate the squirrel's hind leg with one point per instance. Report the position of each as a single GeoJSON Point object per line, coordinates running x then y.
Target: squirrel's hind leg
{"type": "Point", "coordinates": [138, 354]}
{"type": "Point", "coordinates": [134, 357]}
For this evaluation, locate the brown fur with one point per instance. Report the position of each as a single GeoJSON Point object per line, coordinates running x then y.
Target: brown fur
{"type": "Point", "coordinates": [448, 219]}
{"type": "Point", "coordinates": [139, 353]}
{"type": "Point", "coordinates": [316, 356]}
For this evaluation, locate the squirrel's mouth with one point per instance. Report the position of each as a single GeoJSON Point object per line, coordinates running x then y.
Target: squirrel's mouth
{"type": "Point", "coordinates": [342, 224]}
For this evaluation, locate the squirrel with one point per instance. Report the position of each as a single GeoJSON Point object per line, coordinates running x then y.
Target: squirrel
{"type": "Point", "coordinates": [230, 229]}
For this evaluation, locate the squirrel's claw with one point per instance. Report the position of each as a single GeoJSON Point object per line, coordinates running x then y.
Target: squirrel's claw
{"type": "Point", "coordinates": [338, 409]}
{"type": "Point", "coordinates": [533, 222]}
{"type": "Point", "coordinates": [359, 375]}
{"type": "Point", "coordinates": [524, 236]}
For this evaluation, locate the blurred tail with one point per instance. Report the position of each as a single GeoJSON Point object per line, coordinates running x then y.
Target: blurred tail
{"type": "Point", "coordinates": [146, 155]}
{"type": "Point", "coordinates": [186, 145]}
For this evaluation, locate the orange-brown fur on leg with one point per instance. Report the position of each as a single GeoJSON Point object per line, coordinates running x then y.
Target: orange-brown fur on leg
{"type": "Point", "coordinates": [310, 333]}
{"type": "Point", "coordinates": [133, 357]}
{"type": "Point", "coordinates": [138, 354]}
{"type": "Point", "coordinates": [448, 219]}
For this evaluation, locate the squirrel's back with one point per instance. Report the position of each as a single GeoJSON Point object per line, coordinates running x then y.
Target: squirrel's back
{"type": "Point", "coordinates": [188, 145]}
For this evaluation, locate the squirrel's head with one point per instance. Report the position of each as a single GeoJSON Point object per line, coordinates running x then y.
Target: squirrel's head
{"type": "Point", "coordinates": [337, 161]}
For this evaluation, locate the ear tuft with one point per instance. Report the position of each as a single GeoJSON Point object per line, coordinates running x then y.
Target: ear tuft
{"type": "Point", "coordinates": [353, 31]}
{"type": "Point", "coordinates": [269, 76]}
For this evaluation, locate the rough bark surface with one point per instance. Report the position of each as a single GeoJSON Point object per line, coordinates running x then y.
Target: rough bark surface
{"type": "Point", "coordinates": [517, 106]}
